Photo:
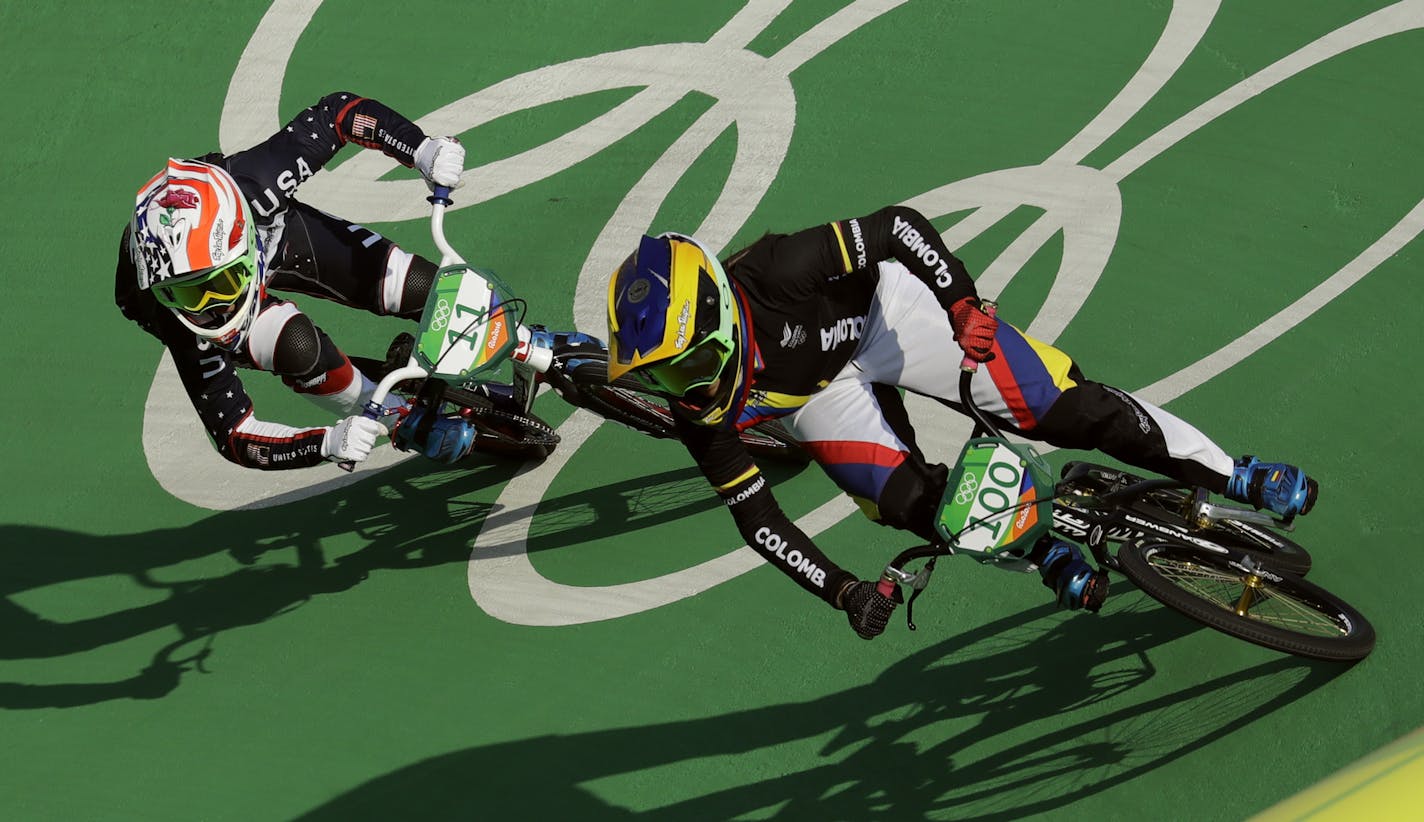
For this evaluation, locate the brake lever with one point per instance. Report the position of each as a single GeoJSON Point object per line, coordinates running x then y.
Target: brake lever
{"type": "Point", "coordinates": [917, 582]}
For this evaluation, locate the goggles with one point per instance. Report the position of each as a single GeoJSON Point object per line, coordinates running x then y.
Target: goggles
{"type": "Point", "coordinates": [695, 368]}
{"type": "Point", "coordinates": [217, 290]}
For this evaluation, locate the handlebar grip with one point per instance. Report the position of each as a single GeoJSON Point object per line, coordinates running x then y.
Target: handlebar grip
{"type": "Point", "coordinates": [991, 308]}
{"type": "Point", "coordinates": [440, 194]}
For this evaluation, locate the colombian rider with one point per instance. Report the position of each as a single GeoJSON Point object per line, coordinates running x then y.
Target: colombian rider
{"type": "Point", "coordinates": [209, 240]}
{"type": "Point", "coordinates": [820, 328]}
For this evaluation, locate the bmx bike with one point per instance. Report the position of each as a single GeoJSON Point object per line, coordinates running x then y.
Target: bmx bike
{"type": "Point", "coordinates": [1225, 566]}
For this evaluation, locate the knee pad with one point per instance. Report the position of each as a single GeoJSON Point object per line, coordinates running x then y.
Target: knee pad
{"type": "Point", "coordinates": [419, 279]}
{"type": "Point", "coordinates": [298, 348]}
{"type": "Point", "coordinates": [301, 352]}
{"type": "Point", "coordinates": [911, 497]}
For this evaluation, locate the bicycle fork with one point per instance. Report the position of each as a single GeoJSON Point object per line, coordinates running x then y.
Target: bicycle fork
{"type": "Point", "coordinates": [533, 355]}
{"type": "Point", "coordinates": [541, 353]}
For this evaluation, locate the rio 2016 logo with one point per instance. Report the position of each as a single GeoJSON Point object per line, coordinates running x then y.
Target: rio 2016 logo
{"type": "Point", "coordinates": [753, 94]}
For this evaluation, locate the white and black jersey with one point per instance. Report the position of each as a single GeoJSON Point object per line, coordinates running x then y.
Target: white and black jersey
{"type": "Point", "coordinates": [306, 252]}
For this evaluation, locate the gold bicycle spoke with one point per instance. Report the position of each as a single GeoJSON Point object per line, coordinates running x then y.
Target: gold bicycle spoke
{"type": "Point", "coordinates": [1271, 605]}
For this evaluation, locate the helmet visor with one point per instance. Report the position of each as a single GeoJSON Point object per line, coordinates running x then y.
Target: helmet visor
{"type": "Point", "coordinates": [216, 291]}
{"type": "Point", "coordinates": [695, 368]}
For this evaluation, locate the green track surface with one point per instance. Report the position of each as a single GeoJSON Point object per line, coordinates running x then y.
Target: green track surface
{"type": "Point", "coordinates": [325, 659]}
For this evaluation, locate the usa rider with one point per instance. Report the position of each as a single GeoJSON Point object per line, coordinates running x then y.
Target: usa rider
{"type": "Point", "coordinates": [211, 238]}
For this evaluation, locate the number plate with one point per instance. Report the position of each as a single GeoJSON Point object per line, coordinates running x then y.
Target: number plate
{"type": "Point", "coordinates": [466, 327]}
{"type": "Point", "coordinates": [995, 501]}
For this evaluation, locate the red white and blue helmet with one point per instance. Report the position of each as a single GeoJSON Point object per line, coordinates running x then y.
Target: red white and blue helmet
{"type": "Point", "coordinates": [195, 247]}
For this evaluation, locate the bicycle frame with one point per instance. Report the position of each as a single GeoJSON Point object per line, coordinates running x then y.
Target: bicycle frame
{"type": "Point", "coordinates": [1109, 518]}
{"type": "Point", "coordinates": [1201, 511]}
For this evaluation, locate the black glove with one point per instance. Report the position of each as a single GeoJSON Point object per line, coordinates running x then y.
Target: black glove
{"type": "Point", "coordinates": [868, 610]}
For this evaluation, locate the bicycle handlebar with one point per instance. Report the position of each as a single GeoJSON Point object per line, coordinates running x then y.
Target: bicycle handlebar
{"type": "Point", "coordinates": [894, 573]}
{"type": "Point", "coordinates": [439, 200]}
{"type": "Point", "coordinates": [970, 364]}
{"type": "Point", "coordinates": [526, 356]}
{"type": "Point", "coordinates": [983, 424]}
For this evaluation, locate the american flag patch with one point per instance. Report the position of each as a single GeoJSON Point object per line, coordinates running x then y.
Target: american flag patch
{"type": "Point", "coordinates": [363, 126]}
{"type": "Point", "coordinates": [258, 454]}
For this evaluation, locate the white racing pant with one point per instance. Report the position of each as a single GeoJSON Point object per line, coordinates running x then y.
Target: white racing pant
{"type": "Point", "coordinates": [858, 431]}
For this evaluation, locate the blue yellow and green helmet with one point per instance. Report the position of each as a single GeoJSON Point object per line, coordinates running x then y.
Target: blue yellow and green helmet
{"type": "Point", "coordinates": [673, 324]}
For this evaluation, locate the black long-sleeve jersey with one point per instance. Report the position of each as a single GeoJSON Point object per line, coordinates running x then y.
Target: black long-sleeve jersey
{"type": "Point", "coordinates": [268, 175]}
{"type": "Point", "coordinates": [806, 297]}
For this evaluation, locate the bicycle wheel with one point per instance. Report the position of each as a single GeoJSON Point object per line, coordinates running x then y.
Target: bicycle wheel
{"type": "Point", "coordinates": [1279, 611]}
{"type": "Point", "coordinates": [1166, 506]}
{"type": "Point", "coordinates": [627, 402]}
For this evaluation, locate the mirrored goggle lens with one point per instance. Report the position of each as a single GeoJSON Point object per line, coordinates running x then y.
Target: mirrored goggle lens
{"type": "Point", "coordinates": [222, 288]}
{"type": "Point", "coordinates": [693, 369]}
{"type": "Point", "coordinates": [214, 316]}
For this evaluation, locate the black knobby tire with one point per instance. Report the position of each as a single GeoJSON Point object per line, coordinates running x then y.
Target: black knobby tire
{"type": "Point", "coordinates": [1287, 613]}
{"type": "Point", "coordinates": [626, 401]}
{"type": "Point", "coordinates": [623, 401]}
{"type": "Point", "coordinates": [1165, 505]}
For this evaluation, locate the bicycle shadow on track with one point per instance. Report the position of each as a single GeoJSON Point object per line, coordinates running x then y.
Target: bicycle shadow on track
{"type": "Point", "coordinates": [1016, 717]}
{"type": "Point", "coordinates": [269, 563]}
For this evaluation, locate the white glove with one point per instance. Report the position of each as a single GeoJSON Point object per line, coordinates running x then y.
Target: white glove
{"type": "Point", "coordinates": [440, 160]}
{"type": "Point", "coordinates": [351, 439]}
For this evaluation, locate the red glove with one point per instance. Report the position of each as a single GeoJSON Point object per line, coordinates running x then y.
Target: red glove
{"type": "Point", "coordinates": [973, 329]}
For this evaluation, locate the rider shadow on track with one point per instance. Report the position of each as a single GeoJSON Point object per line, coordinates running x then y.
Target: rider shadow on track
{"type": "Point", "coordinates": [1016, 717]}
{"type": "Point", "coordinates": [272, 559]}
{"type": "Point", "coordinates": [618, 508]}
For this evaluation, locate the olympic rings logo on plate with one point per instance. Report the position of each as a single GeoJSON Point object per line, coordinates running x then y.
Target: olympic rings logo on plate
{"type": "Point", "coordinates": [965, 493]}
{"type": "Point", "coordinates": [442, 314]}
